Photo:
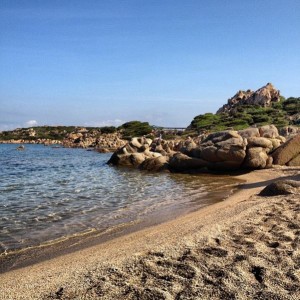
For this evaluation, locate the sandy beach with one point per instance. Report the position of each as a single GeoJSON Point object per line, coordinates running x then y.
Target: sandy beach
{"type": "Point", "coordinates": [245, 247]}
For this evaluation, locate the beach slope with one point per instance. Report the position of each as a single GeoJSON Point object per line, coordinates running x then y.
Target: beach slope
{"type": "Point", "coordinates": [246, 247]}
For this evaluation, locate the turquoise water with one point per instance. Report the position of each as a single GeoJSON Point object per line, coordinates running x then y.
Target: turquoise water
{"type": "Point", "coordinates": [47, 193]}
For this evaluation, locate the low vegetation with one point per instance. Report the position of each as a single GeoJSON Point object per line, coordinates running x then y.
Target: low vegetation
{"type": "Point", "coordinates": [280, 114]}
{"type": "Point", "coordinates": [135, 128]}
{"type": "Point", "coordinates": [50, 132]}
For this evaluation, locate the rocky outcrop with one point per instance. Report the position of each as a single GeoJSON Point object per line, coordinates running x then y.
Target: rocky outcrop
{"type": "Point", "coordinates": [133, 153]}
{"type": "Point", "coordinates": [287, 153]}
{"type": "Point", "coordinates": [263, 97]}
{"type": "Point", "coordinates": [260, 143]}
{"type": "Point", "coordinates": [106, 142]}
{"type": "Point", "coordinates": [223, 151]}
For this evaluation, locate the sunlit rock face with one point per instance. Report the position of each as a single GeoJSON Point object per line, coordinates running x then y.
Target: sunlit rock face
{"type": "Point", "coordinates": [264, 97]}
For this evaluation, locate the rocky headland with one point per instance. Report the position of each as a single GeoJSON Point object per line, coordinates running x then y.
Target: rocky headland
{"type": "Point", "coordinates": [248, 108]}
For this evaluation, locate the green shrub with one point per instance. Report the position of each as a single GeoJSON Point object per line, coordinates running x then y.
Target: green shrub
{"type": "Point", "coordinates": [135, 128]}
{"type": "Point", "coordinates": [108, 129]}
{"type": "Point", "coordinates": [292, 105]}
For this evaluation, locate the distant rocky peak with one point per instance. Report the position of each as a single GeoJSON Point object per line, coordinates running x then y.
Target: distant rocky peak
{"type": "Point", "coordinates": [263, 97]}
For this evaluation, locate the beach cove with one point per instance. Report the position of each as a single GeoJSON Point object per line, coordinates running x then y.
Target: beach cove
{"type": "Point", "coordinates": [244, 247]}
{"type": "Point", "coordinates": [57, 200]}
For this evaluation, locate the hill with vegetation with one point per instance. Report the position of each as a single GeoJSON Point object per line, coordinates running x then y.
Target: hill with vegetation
{"type": "Point", "coordinates": [247, 108]}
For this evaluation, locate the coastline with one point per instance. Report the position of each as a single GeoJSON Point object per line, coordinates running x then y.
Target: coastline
{"type": "Point", "coordinates": [79, 273]}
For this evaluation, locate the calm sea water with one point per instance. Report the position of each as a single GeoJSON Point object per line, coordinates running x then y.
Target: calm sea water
{"type": "Point", "coordinates": [48, 193]}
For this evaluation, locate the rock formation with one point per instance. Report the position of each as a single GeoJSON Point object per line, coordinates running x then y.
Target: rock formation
{"type": "Point", "coordinates": [106, 142]}
{"type": "Point", "coordinates": [224, 150]}
{"type": "Point", "coordinates": [262, 97]}
{"type": "Point", "coordinates": [133, 153]}
{"type": "Point", "coordinates": [250, 148]}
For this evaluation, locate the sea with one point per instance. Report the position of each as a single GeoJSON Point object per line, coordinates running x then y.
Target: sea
{"type": "Point", "coordinates": [50, 193]}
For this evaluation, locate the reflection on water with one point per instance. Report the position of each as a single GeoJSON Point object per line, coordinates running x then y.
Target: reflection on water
{"type": "Point", "coordinates": [48, 193]}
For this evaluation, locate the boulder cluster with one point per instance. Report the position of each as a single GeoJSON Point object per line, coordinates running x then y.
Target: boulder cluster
{"type": "Point", "coordinates": [251, 148]}
{"type": "Point", "coordinates": [140, 152]}
{"type": "Point", "coordinates": [105, 142]}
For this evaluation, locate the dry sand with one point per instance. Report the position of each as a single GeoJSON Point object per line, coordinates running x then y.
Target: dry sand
{"type": "Point", "coordinates": [246, 247]}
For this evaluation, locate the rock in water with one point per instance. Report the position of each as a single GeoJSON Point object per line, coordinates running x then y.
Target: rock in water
{"type": "Point", "coordinates": [155, 164]}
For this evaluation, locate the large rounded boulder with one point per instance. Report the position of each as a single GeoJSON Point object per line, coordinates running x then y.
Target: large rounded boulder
{"type": "Point", "coordinates": [225, 150]}
{"type": "Point", "coordinates": [288, 153]}
{"type": "Point", "coordinates": [281, 187]}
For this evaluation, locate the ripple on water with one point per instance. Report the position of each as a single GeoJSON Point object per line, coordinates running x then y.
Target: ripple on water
{"type": "Point", "coordinates": [46, 194]}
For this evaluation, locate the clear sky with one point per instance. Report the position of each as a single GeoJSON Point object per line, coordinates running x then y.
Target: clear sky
{"type": "Point", "coordinates": [96, 63]}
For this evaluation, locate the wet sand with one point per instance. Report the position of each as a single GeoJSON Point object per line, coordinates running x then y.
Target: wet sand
{"type": "Point", "coordinates": [246, 247]}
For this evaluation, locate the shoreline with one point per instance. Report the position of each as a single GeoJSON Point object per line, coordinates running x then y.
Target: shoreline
{"type": "Point", "coordinates": [69, 271]}
{"type": "Point", "coordinates": [25, 257]}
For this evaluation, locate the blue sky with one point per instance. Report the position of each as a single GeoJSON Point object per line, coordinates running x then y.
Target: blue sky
{"type": "Point", "coordinates": [97, 63]}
